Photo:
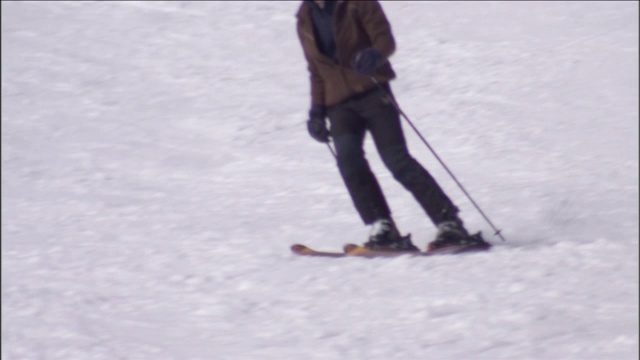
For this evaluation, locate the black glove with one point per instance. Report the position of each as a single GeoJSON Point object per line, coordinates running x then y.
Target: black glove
{"type": "Point", "coordinates": [366, 61]}
{"type": "Point", "coordinates": [316, 125]}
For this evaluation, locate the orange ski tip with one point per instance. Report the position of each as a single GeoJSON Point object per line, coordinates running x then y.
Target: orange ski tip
{"type": "Point", "coordinates": [299, 248]}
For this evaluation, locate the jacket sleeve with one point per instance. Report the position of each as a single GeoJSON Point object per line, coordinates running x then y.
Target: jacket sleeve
{"type": "Point", "coordinates": [317, 85]}
{"type": "Point", "coordinates": [377, 27]}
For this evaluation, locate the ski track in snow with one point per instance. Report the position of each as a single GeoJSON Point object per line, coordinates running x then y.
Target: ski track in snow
{"type": "Point", "coordinates": [156, 168]}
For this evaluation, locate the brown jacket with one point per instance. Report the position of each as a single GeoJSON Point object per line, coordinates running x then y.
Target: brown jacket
{"type": "Point", "coordinates": [357, 26]}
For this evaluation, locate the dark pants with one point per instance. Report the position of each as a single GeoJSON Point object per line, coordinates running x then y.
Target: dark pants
{"type": "Point", "coordinates": [373, 111]}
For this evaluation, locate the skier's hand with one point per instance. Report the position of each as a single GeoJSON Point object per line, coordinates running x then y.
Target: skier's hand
{"type": "Point", "coordinates": [317, 125]}
{"type": "Point", "coordinates": [367, 61]}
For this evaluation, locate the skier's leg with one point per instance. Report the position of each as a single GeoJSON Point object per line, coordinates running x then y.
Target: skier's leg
{"type": "Point", "coordinates": [384, 123]}
{"type": "Point", "coordinates": [348, 131]}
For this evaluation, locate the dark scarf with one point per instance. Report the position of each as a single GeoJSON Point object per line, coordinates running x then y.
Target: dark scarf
{"type": "Point", "coordinates": [323, 28]}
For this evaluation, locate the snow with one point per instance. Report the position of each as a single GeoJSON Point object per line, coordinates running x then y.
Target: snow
{"type": "Point", "coordinates": [156, 168]}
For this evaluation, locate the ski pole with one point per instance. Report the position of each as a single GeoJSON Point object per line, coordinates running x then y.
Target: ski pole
{"type": "Point", "coordinates": [333, 152]}
{"type": "Point", "coordinates": [395, 104]}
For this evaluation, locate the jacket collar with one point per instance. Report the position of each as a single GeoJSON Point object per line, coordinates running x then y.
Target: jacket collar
{"type": "Point", "coordinates": [306, 6]}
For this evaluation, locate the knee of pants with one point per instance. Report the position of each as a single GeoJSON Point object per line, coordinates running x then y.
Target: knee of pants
{"type": "Point", "coordinates": [350, 156]}
{"type": "Point", "coordinates": [353, 167]}
{"type": "Point", "coordinates": [398, 161]}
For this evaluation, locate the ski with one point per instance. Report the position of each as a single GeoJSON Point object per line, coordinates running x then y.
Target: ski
{"type": "Point", "coordinates": [358, 250]}
{"type": "Point", "coordinates": [354, 250]}
{"type": "Point", "coordinates": [300, 249]}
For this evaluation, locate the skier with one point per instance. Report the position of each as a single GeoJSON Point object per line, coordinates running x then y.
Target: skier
{"type": "Point", "coordinates": [346, 45]}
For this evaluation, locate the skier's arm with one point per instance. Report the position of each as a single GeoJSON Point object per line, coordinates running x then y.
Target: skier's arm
{"type": "Point", "coordinates": [377, 27]}
{"type": "Point", "coordinates": [317, 85]}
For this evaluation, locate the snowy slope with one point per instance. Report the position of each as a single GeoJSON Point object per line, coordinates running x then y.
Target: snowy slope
{"type": "Point", "coordinates": [156, 168]}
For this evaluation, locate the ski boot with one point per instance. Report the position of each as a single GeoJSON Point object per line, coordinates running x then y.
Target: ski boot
{"type": "Point", "coordinates": [386, 237]}
{"type": "Point", "coordinates": [453, 237]}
